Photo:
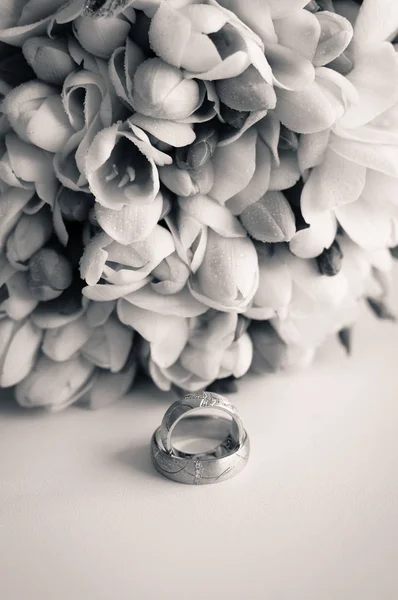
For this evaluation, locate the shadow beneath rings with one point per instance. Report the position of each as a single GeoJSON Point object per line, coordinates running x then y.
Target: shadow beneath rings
{"type": "Point", "coordinates": [137, 458]}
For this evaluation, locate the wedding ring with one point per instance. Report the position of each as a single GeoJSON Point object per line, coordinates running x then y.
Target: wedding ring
{"type": "Point", "coordinates": [224, 461]}
{"type": "Point", "coordinates": [190, 404]}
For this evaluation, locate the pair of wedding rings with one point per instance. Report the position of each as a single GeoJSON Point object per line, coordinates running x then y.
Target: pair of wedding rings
{"type": "Point", "coordinates": [222, 462]}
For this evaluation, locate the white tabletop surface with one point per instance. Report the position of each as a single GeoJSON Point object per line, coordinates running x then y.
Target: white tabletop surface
{"type": "Point", "coordinates": [314, 516]}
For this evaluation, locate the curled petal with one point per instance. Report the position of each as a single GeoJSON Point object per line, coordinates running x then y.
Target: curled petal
{"type": "Point", "coordinates": [336, 34]}
{"type": "Point", "coordinates": [131, 223]}
{"type": "Point", "coordinates": [107, 292]}
{"type": "Point", "coordinates": [379, 157]}
{"type": "Point", "coordinates": [212, 214]}
{"type": "Point", "coordinates": [290, 70]}
{"type": "Point", "coordinates": [170, 132]}
{"type": "Point", "coordinates": [312, 241]}
{"type": "Point", "coordinates": [181, 304]}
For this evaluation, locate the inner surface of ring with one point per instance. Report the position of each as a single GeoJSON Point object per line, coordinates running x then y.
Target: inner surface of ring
{"type": "Point", "coordinates": [204, 435]}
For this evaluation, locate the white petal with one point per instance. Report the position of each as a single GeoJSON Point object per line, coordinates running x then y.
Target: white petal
{"type": "Point", "coordinates": [368, 223]}
{"type": "Point", "coordinates": [377, 21]}
{"type": "Point", "coordinates": [234, 166]}
{"type": "Point", "coordinates": [212, 214]}
{"type": "Point", "coordinates": [375, 76]}
{"type": "Point", "coordinates": [21, 354]}
{"type": "Point", "coordinates": [181, 304]}
{"type": "Point", "coordinates": [312, 241]}
{"type": "Point", "coordinates": [336, 181]}
{"type": "Point", "coordinates": [167, 334]}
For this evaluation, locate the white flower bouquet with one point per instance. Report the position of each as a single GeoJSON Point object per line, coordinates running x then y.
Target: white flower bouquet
{"type": "Point", "coordinates": [190, 188]}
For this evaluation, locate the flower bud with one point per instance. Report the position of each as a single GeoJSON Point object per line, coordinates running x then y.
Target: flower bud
{"type": "Point", "coordinates": [21, 354]}
{"type": "Point", "coordinates": [188, 183]}
{"type": "Point", "coordinates": [329, 262]}
{"type": "Point", "coordinates": [161, 91]}
{"type": "Point", "coordinates": [50, 274]}
{"type": "Point", "coordinates": [272, 354]}
{"type": "Point", "coordinates": [31, 233]}
{"type": "Point", "coordinates": [336, 34]}
{"type": "Point", "coordinates": [201, 150]}
{"type": "Point", "coordinates": [20, 301]}
{"type": "Point", "coordinates": [37, 115]}
{"type": "Point", "coordinates": [101, 36]}
{"type": "Point", "coordinates": [344, 336]}
{"type": "Point", "coordinates": [227, 278]}
{"type": "Point", "coordinates": [54, 385]}
{"type": "Point", "coordinates": [381, 310]}
{"type": "Point", "coordinates": [49, 58]}
{"type": "Point", "coordinates": [271, 219]}
{"type": "Point", "coordinates": [246, 92]}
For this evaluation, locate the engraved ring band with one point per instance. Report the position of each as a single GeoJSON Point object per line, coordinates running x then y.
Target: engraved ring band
{"type": "Point", "coordinates": [223, 462]}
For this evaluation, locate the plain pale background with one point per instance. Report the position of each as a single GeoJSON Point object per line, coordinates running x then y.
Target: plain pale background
{"type": "Point", "coordinates": [314, 516]}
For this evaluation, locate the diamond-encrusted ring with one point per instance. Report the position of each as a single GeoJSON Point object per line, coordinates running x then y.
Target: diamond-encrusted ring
{"type": "Point", "coordinates": [222, 462]}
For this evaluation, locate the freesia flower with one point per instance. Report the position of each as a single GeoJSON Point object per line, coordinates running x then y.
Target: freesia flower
{"type": "Point", "coordinates": [49, 58]}
{"type": "Point", "coordinates": [205, 39]}
{"type": "Point", "coordinates": [36, 114]}
{"type": "Point", "coordinates": [161, 91]}
{"type": "Point", "coordinates": [121, 167]}
{"type": "Point", "coordinates": [189, 352]}
{"type": "Point", "coordinates": [90, 104]}
{"type": "Point", "coordinates": [227, 276]}
{"type": "Point", "coordinates": [50, 273]}
{"type": "Point", "coordinates": [28, 169]}
{"type": "Point", "coordinates": [101, 36]}
{"type": "Point", "coordinates": [55, 385]}
{"type": "Point", "coordinates": [126, 267]}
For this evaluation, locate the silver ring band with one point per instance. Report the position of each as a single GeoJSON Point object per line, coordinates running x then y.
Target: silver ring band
{"type": "Point", "coordinates": [192, 403]}
{"type": "Point", "coordinates": [198, 469]}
